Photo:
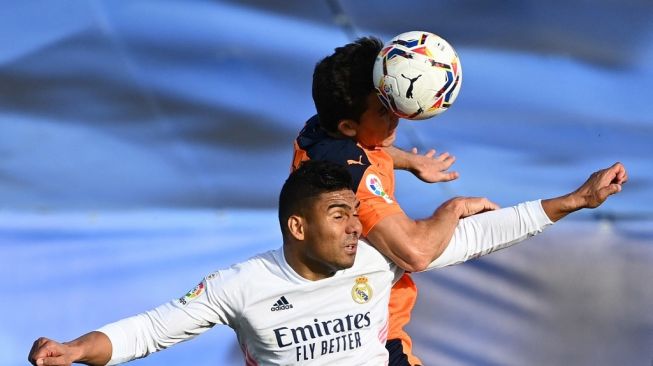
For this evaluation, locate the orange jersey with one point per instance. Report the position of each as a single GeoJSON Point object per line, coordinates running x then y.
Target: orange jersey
{"type": "Point", "coordinates": [372, 171]}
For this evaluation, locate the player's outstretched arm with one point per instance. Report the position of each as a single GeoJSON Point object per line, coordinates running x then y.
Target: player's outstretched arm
{"type": "Point", "coordinates": [430, 167]}
{"type": "Point", "coordinates": [93, 348]}
{"type": "Point", "coordinates": [591, 194]}
{"type": "Point", "coordinates": [488, 232]}
{"type": "Point", "coordinates": [414, 244]}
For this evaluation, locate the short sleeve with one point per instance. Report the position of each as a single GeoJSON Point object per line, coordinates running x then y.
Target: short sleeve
{"type": "Point", "coordinates": [376, 194]}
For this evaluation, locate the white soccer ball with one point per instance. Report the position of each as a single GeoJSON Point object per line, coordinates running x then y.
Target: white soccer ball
{"type": "Point", "coordinates": [417, 75]}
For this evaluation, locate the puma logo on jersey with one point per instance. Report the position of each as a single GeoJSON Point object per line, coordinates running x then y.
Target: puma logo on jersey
{"type": "Point", "coordinates": [281, 304]}
{"type": "Point", "coordinates": [357, 162]}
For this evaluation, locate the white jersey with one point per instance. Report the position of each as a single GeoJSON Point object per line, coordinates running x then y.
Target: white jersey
{"type": "Point", "coordinates": [280, 318]}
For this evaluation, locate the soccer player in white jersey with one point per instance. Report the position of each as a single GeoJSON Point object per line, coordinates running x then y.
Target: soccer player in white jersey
{"type": "Point", "coordinates": [322, 298]}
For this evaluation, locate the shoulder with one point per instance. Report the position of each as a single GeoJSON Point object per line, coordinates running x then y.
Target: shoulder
{"type": "Point", "coordinates": [262, 265]}
{"type": "Point", "coordinates": [234, 287]}
{"type": "Point", "coordinates": [319, 145]}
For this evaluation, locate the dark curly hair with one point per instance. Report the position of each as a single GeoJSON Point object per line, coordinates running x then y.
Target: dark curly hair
{"type": "Point", "coordinates": [343, 80]}
{"type": "Point", "coordinates": [305, 184]}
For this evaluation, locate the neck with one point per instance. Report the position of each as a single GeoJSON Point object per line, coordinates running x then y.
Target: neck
{"type": "Point", "coordinates": [302, 266]}
{"type": "Point", "coordinates": [336, 135]}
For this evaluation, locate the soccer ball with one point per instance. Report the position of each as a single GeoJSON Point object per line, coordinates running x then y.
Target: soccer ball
{"type": "Point", "coordinates": [417, 75]}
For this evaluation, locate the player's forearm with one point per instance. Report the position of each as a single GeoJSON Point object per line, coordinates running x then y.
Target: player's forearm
{"type": "Point", "coordinates": [591, 194]}
{"type": "Point", "coordinates": [559, 207]}
{"type": "Point", "coordinates": [433, 235]}
{"type": "Point", "coordinates": [140, 335]}
{"type": "Point", "coordinates": [92, 348]}
{"type": "Point", "coordinates": [401, 159]}
{"type": "Point", "coordinates": [159, 328]}
{"type": "Point", "coordinates": [438, 230]}
{"type": "Point", "coordinates": [490, 231]}
{"type": "Point", "coordinates": [412, 244]}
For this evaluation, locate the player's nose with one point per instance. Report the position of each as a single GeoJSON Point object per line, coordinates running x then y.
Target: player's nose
{"type": "Point", "coordinates": [355, 227]}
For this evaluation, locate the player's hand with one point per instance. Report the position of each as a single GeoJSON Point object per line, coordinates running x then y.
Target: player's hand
{"type": "Point", "coordinates": [468, 206]}
{"type": "Point", "coordinates": [432, 168]}
{"type": "Point", "coordinates": [47, 352]}
{"type": "Point", "coordinates": [599, 186]}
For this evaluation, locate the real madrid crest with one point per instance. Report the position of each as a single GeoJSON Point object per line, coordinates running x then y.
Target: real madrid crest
{"type": "Point", "coordinates": [362, 291]}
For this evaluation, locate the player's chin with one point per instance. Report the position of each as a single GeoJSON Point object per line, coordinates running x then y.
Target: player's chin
{"type": "Point", "coordinates": [349, 254]}
{"type": "Point", "coordinates": [348, 263]}
{"type": "Point", "coordinates": [389, 140]}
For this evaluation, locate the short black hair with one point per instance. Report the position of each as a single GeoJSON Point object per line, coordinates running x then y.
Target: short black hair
{"type": "Point", "coordinates": [343, 80]}
{"type": "Point", "coordinates": [305, 184]}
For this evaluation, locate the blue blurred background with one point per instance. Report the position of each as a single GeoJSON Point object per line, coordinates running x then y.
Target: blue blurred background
{"type": "Point", "coordinates": [143, 145]}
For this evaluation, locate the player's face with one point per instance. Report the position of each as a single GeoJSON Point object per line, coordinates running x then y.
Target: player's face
{"type": "Point", "coordinates": [332, 230]}
{"type": "Point", "coordinates": [377, 126]}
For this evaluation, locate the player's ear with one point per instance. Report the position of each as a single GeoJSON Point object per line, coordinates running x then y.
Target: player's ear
{"type": "Point", "coordinates": [348, 127]}
{"type": "Point", "coordinates": [296, 227]}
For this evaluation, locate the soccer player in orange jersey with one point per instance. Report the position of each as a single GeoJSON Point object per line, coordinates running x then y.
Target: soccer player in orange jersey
{"type": "Point", "coordinates": [354, 129]}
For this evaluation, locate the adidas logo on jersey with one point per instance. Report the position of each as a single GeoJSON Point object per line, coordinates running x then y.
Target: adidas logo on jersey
{"type": "Point", "coordinates": [281, 304]}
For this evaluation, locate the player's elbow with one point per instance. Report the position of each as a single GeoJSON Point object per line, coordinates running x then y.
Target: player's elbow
{"type": "Point", "coordinates": [417, 265]}
{"type": "Point", "coordinates": [424, 253]}
{"type": "Point", "coordinates": [415, 260]}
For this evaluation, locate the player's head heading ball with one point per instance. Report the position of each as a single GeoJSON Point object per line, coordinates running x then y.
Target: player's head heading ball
{"type": "Point", "coordinates": [343, 81]}
{"type": "Point", "coordinates": [306, 184]}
